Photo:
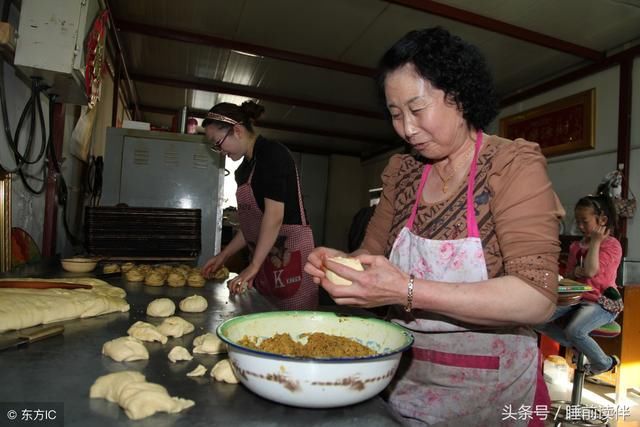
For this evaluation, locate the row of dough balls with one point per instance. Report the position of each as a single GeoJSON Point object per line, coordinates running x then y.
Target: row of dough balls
{"type": "Point", "coordinates": [157, 275]}
{"type": "Point", "coordinates": [165, 307]}
{"type": "Point", "coordinates": [130, 348]}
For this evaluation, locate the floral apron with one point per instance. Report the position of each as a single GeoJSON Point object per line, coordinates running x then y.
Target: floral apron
{"type": "Point", "coordinates": [459, 376]}
{"type": "Point", "coordinates": [281, 278]}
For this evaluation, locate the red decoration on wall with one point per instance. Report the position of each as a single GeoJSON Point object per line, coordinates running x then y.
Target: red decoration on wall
{"type": "Point", "coordinates": [95, 57]}
{"type": "Point", "coordinates": [560, 127]}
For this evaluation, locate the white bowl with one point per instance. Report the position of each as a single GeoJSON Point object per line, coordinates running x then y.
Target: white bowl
{"type": "Point", "coordinates": [315, 383]}
{"type": "Point", "coordinates": [79, 265]}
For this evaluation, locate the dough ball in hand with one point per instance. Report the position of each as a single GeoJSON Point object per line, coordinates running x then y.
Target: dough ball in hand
{"type": "Point", "coordinates": [349, 262]}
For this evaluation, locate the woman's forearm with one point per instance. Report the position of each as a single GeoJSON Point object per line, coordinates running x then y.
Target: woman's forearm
{"type": "Point", "coordinates": [269, 229]}
{"type": "Point", "coordinates": [238, 242]}
{"type": "Point", "coordinates": [499, 301]}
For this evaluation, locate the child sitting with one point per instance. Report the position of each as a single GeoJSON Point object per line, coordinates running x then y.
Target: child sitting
{"type": "Point", "coordinates": [594, 261]}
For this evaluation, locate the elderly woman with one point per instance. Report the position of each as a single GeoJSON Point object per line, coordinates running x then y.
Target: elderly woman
{"type": "Point", "coordinates": [463, 245]}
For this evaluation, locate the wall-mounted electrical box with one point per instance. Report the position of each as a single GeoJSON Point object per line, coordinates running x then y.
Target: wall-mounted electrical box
{"type": "Point", "coordinates": [51, 43]}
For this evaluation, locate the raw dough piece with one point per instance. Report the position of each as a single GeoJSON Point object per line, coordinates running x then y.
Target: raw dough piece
{"type": "Point", "coordinates": [111, 268]}
{"type": "Point", "coordinates": [197, 372]}
{"type": "Point", "coordinates": [179, 353]}
{"type": "Point", "coordinates": [195, 280]}
{"type": "Point", "coordinates": [176, 279]}
{"type": "Point", "coordinates": [349, 262]}
{"type": "Point", "coordinates": [22, 308]}
{"type": "Point", "coordinates": [109, 386]}
{"type": "Point", "coordinates": [194, 304]}
{"type": "Point", "coordinates": [146, 332]}
{"type": "Point", "coordinates": [154, 278]}
{"type": "Point", "coordinates": [175, 326]}
{"type": "Point", "coordinates": [134, 275]}
{"type": "Point", "coordinates": [161, 307]}
{"type": "Point", "coordinates": [222, 372]}
{"type": "Point", "coordinates": [138, 398]}
{"type": "Point", "coordinates": [141, 400]}
{"type": "Point", "coordinates": [208, 344]}
{"type": "Point", "coordinates": [125, 349]}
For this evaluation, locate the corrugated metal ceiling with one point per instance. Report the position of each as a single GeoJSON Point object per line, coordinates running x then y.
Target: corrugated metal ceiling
{"type": "Point", "coordinates": [305, 104]}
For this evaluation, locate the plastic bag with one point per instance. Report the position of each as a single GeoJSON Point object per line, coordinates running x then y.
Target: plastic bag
{"type": "Point", "coordinates": [82, 132]}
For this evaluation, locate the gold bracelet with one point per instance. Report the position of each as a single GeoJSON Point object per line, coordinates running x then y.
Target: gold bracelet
{"type": "Point", "coordinates": [409, 305]}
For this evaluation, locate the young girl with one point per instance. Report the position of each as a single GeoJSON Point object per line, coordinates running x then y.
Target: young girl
{"type": "Point", "coordinates": [594, 261]}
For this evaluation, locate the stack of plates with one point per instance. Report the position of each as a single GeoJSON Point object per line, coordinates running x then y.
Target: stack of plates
{"type": "Point", "coordinates": [570, 292]}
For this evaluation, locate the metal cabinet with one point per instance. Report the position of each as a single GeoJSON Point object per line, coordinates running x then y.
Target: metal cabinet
{"type": "Point", "coordinates": [166, 170]}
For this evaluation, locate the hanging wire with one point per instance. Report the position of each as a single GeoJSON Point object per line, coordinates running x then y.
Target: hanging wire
{"type": "Point", "coordinates": [62, 192]}
{"type": "Point", "coordinates": [33, 110]}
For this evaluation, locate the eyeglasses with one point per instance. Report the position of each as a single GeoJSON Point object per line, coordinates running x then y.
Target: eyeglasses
{"type": "Point", "coordinates": [216, 146]}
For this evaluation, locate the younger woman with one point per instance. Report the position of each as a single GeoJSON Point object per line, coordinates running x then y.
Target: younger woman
{"type": "Point", "coordinates": [270, 210]}
{"type": "Point", "coordinates": [594, 261]}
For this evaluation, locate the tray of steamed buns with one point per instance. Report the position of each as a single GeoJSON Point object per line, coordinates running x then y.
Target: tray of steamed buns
{"type": "Point", "coordinates": [175, 276]}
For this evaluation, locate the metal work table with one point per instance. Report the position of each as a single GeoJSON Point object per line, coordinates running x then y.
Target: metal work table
{"type": "Point", "coordinates": [63, 368]}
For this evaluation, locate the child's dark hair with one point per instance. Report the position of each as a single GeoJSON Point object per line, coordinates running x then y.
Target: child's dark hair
{"type": "Point", "coordinates": [601, 205]}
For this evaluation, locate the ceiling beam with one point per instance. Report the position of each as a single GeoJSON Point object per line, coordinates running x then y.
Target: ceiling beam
{"type": "Point", "coordinates": [554, 83]}
{"type": "Point", "coordinates": [389, 142]}
{"type": "Point", "coordinates": [500, 27]}
{"type": "Point", "coordinates": [254, 49]}
{"type": "Point", "coordinates": [250, 92]}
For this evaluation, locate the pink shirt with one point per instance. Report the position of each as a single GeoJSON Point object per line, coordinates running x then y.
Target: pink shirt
{"type": "Point", "coordinates": [609, 260]}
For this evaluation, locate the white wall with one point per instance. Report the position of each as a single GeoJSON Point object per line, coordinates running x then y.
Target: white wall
{"type": "Point", "coordinates": [575, 175]}
{"type": "Point", "coordinates": [633, 226]}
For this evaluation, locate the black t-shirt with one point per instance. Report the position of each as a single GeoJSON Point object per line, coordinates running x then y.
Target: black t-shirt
{"type": "Point", "coordinates": [274, 177]}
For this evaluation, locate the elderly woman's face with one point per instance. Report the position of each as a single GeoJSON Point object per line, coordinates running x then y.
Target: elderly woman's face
{"type": "Point", "coordinates": [422, 116]}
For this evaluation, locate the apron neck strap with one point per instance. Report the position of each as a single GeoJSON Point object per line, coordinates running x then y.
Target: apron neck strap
{"type": "Point", "coordinates": [472, 224]}
{"type": "Point", "coordinates": [303, 217]}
